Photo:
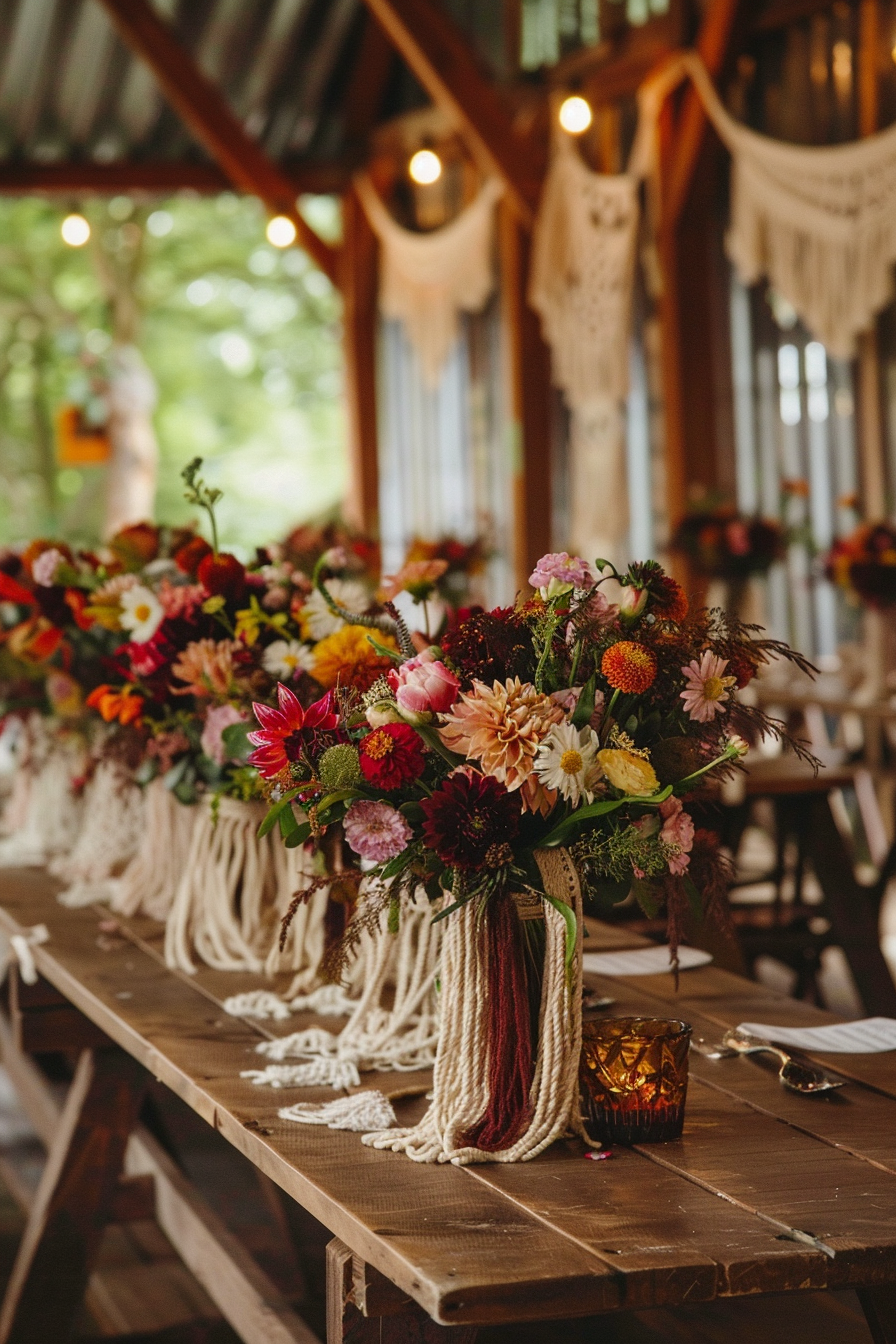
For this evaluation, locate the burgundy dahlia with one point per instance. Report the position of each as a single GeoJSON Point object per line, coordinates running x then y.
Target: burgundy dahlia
{"type": "Point", "coordinates": [471, 821]}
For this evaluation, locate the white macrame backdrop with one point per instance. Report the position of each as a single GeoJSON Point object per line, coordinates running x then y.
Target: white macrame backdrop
{"type": "Point", "coordinates": [43, 813]}
{"type": "Point", "coordinates": [583, 267]}
{"type": "Point", "coordinates": [428, 279]}
{"type": "Point", "coordinates": [150, 880]}
{"type": "Point", "coordinates": [108, 837]}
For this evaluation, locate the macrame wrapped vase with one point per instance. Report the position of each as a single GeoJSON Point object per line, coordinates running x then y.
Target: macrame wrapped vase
{"type": "Point", "coordinates": [233, 891]}
{"type": "Point", "coordinates": [505, 1084]}
{"type": "Point", "coordinates": [149, 881]}
{"type": "Point", "coordinates": [43, 812]}
{"type": "Point", "coordinates": [107, 840]}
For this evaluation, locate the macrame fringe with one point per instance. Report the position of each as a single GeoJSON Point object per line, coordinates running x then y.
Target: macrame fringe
{"type": "Point", "coordinates": [335, 1073]}
{"type": "Point", "coordinates": [264, 1005]}
{"type": "Point", "coordinates": [359, 1112]}
{"type": "Point", "coordinates": [107, 840]}
{"type": "Point", "coordinates": [43, 814]}
{"type": "Point", "coordinates": [460, 1085]}
{"type": "Point", "coordinates": [148, 883]}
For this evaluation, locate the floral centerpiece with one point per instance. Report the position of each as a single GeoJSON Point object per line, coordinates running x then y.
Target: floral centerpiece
{"type": "Point", "coordinates": [723, 543]}
{"type": "Point", "coordinates": [541, 753]}
{"type": "Point", "coordinates": [864, 564]}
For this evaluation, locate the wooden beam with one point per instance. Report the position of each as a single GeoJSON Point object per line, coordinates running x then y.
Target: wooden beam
{"type": "Point", "coordinates": [158, 177]}
{"type": "Point", "coordinates": [358, 282]}
{"type": "Point", "coordinates": [530, 401]}
{"type": "Point", "coordinates": [74, 1199]}
{"type": "Point", "coordinates": [208, 115]}
{"type": "Point", "coordinates": [713, 45]}
{"type": "Point", "coordinates": [870, 398]}
{"type": "Point", "coordinates": [363, 99]}
{"type": "Point", "coordinates": [440, 57]}
{"type": "Point", "coordinates": [779, 13]}
{"type": "Point", "coordinates": [359, 1298]}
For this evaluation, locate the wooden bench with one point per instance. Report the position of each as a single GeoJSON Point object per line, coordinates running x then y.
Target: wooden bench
{"type": "Point", "coordinates": [767, 1192]}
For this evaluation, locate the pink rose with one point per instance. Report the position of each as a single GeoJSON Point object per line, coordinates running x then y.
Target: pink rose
{"type": "Point", "coordinates": [212, 740]}
{"type": "Point", "coordinates": [423, 685]}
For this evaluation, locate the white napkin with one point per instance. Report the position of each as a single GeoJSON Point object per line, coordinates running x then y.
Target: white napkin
{"type": "Point", "coordinates": [870, 1036]}
{"type": "Point", "coordinates": [642, 961]}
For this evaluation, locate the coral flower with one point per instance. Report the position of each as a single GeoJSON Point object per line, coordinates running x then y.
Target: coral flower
{"type": "Point", "coordinates": [502, 727]}
{"type": "Point", "coordinates": [629, 667]}
{"type": "Point", "coordinates": [417, 577]}
{"type": "Point", "coordinates": [347, 658]}
{"type": "Point", "coordinates": [471, 821]}
{"type": "Point", "coordinates": [391, 755]}
{"type": "Point", "coordinates": [288, 731]}
{"type": "Point", "coordinates": [206, 665]}
{"type": "Point", "coordinates": [122, 706]}
{"type": "Point", "coordinates": [708, 688]}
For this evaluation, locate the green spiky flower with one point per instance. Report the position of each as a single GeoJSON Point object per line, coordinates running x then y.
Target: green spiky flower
{"type": "Point", "coordinates": [340, 767]}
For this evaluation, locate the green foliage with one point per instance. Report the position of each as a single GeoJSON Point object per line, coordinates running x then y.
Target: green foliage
{"type": "Point", "coordinates": [242, 339]}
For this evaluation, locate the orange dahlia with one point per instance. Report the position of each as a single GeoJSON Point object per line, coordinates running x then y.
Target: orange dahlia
{"type": "Point", "coordinates": [347, 658]}
{"type": "Point", "coordinates": [629, 667]}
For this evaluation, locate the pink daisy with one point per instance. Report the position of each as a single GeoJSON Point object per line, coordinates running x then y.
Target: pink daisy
{"type": "Point", "coordinates": [707, 689]}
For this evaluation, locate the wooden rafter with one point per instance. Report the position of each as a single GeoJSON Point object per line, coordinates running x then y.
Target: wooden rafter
{"type": "Point", "coordinates": [713, 45]}
{"type": "Point", "coordinates": [440, 57]}
{"type": "Point", "coordinates": [209, 117]}
{"type": "Point", "coordinates": [156, 176]}
{"type": "Point", "coordinates": [364, 96]}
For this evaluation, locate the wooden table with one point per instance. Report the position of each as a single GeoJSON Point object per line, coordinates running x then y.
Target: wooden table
{"type": "Point", "coordinates": [766, 1191]}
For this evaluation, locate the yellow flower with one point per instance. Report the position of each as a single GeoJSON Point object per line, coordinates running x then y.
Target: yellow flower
{"type": "Point", "coordinates": [627, 772]}
{"type": "Point", "coordinates": [347, 658]}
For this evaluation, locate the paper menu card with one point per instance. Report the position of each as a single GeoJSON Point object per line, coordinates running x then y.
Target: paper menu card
{"type": "Point", "coordinates": [871, 1035]}
{"type": "Point", "coordinates": [642, 961]}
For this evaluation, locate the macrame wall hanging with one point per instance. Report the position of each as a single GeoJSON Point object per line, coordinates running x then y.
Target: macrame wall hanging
{"type": "Point", "coordinates": [428, 279]}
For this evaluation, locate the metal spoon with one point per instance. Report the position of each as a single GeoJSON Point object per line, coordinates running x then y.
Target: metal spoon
{"type": "Point", "coordinates": [793, 1075]}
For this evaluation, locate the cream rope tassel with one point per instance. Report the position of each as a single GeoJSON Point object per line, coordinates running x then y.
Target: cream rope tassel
{"type": "Point", "coordinates": [44, 813]}
{"type": "Point", "coordinates": [460, 1084]}
{"type": "Point", "coordinates": [401, 970]}
{"type": "Point", "coordinates": [108, 838]}
{"type": "Point", "coordinates": [148, 884]}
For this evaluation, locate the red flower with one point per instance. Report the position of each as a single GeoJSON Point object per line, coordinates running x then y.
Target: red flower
{"type": "Point", "coordinates": [11, 591]}
{"type": "Point", "coordinates": [629, 667]}
{"type": "Point", "coordinates": [289, 731]}
{"type": "Point", "coordinates": [77, 600]}
{"type": "Point", "coordinates": [188, 556]}
{"type": "Point", "coordinates": [221, 574]}
{"type": "Point", "coordinates": [391, 755]}
{"type": "Point", "coordinates": [471, 821]}
{"type": "Point", "coordinates": [668, 599]}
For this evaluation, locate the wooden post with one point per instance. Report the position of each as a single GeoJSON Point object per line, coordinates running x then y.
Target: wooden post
{"type": "Point", "coordinates": [74, 1199]}
{"type": "Point", "coordinates": [530, 401]}
{"type": "Point", "coordinates": [359, 1298]}
{"type": "Point", "coordinates": [360, 318]}
{"type": "Point", "coordinates": [870, 419]}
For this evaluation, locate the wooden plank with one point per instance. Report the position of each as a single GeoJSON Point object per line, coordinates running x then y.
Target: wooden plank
{"type": "Point", "coordinates": [208, 115]}
{"type": "Point", "coordinates": [73, 1200]}
{"type": "Point", "coordinates": [363, 100]}
{"type": "Point", "coordinates": [354, 1315]}
{"type": "Point", "coordinates": [879, 1306]}
{"type": "Point", "coordinates": [360, 325]}
{"type": "Point", "coordinates": [439, 55]}
{"type": "Point", "coordinates": [160, 178]}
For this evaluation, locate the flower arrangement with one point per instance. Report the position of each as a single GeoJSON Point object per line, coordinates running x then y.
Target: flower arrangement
{"type": "Point", "coordinates": [569, 722]}
{"type": "Point", "coordinates": [725, 544]}
{"type": "Point", "coordinates": [864, 564]}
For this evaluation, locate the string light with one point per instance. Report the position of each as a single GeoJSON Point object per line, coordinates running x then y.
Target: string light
{"type": "Point", "coordinates": [425, 167]}
{"type": "Point", "coordinates": [575, 115]}
{"type": "Point", "coordinates": [75, 230]}
{"type": "Point", "coordinates": [281, 232]}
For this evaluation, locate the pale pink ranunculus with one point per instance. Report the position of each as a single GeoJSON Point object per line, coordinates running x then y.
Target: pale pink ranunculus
{"type": "Point", "coordinates": [678, 831]}
{"type": "Point", "coordinates": [568, 699]}
{"type": "Point", "coordinates": [423, 686]}
{"type": "Point", "coordinates": [216, 720]}
{"type": "Point", "coordinates": [559, 573]}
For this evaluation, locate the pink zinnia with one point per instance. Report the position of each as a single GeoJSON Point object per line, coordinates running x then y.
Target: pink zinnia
{"type": "Point", "coordinates": [376, 831]}
{"type": "Point", "coordinates": [180, 599]}
{"type": "Point", "coordinates": [707, 689]}
{"type": "Point", "coordinates": [678, 832]}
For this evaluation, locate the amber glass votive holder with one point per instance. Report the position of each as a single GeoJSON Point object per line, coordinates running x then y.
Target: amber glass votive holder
{"type": "Point", "coordinates": [633, 1078]}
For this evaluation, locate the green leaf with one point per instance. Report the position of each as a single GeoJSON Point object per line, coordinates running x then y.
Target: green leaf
{"type": "Point", "coordinates": [288, 823]}
{"type": "Point", "coordinates": [275, 812]}
{"type": "Point", "coordinates": [339, 796]}
{"type": "Point", "coordinates": [236, 741]}
{"type": "Point", "coordinates": [585, 707]}
{"type": "Point", "coordinates": [648, 895]}
{"type": "Point", "coordinates": [394, 914]}
{"type": "Point", "coordinates": [443, 914]}
{"type": "Point", "coordinates": [694, 899]}
{"type": "Point", "coordinates": [602, 809]}
{"type": "Point", "coordinates": [298, 837]}
{"type": "Point", "coordinates": [396, 865]}
{"type": "Point", "coordinates": [572, 928]}
{"type": "Point", "coordinates": [383, 651]}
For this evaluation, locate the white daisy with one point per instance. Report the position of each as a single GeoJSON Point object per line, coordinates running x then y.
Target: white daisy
{"type": "Point", "coordinates": [285, 657]}
{"type": "Point", "coordinates": [318, 620]}
{"type": "Point", "coordinates": [141, 612]}
{"type": "Point", "coordinates": [566, 761]}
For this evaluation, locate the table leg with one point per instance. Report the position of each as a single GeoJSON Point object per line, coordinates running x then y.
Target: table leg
{"type": "Point", "coordinates": [73, 1200]}
{"type": "Point", "coordinates": [879, 1306]}
{"type": "Point", "coordinates": [363, 1307]}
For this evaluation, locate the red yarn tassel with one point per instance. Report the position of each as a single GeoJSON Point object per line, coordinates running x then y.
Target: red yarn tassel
{"type": "Point", "coordinates": [509, 1033]}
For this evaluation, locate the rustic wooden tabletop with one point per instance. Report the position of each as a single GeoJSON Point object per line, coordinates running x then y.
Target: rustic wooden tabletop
{"type": "Point", "coordinates": [766, 1191]}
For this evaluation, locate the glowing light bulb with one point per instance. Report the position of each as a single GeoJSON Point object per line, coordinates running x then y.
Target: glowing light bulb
{"type": "Point", "coordinates": [425, 167]}
{"type": "Point", "coordinates": [75, 230]}
{"type": "Point", "coordinates": [575, 115]}
{"type": "Point", "coordinates": [281, 232]}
